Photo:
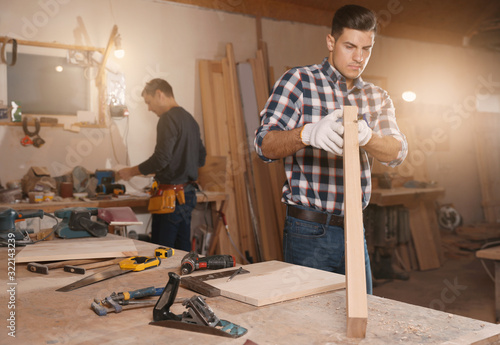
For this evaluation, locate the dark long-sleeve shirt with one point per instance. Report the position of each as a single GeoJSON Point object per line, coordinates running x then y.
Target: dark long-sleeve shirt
{"type": "Point", "coordinates": [179, 151]}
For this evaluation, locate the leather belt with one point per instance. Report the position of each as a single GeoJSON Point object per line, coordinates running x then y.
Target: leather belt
{"type": "Point", "coordinates": [172, 186]}
{"type": "Point", "coordinates": [315, 216]}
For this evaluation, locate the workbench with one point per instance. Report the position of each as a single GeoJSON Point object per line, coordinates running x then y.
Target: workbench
{"type": "Point", "coordinates": [493, 253]}
{"type": "Point", "coordinates": [45, 316]}
{"type": "Point", "coordinates": [136, 202]}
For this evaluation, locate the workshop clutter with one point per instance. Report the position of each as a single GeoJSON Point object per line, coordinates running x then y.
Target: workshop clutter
{"type": "Point", "coordinates": [37, 185]}
{"type": "Point", "coordinates": [32, 137]}
{"type": "Point", "coordinates": [12, 193]}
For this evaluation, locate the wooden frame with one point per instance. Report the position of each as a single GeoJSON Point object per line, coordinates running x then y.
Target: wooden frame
{"type": "Point", "coordinates": [100, 79]}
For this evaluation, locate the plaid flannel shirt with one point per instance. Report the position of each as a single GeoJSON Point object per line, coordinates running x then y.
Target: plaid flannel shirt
{"type": "Point", "coordinates": [305, 95]}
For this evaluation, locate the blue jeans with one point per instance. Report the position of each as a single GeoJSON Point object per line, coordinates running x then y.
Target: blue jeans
{"type": "Point", "coordinates": [174, 229]}
{"type": "Point", "coordinates": [318, 246]}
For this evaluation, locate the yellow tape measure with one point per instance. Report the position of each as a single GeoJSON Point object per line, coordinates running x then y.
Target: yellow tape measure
{"type": "Point", "coordinates": [164, 252]}
{"type": "Point", "coordinates": [139, 263]}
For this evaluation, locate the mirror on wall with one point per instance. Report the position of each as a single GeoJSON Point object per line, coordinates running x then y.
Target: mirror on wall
{"type": "Point", "coordinates": [48, 81]}
{"type": "Point", "coordinates": [47, 85]}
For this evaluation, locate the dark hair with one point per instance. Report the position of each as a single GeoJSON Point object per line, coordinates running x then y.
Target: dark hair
{"type": "Point", "coordinates": [158, 84]}
{"type": "Point", "coordinates": [353, 17]}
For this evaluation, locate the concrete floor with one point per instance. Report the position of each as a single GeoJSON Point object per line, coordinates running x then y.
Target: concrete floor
{"type": "Point", "coordinates": [460, 286]}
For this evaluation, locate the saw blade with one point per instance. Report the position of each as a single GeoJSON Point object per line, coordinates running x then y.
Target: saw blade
{"type": "Point", "coordinates": [95, 278]}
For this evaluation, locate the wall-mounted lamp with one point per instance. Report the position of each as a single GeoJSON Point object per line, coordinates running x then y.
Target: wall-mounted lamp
{"type": "Point", "coordinates": [119, 52]}
{"type": "Point", "coordinates": [409, 96]}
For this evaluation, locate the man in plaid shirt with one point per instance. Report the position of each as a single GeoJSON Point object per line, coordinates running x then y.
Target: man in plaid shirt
{"type": "Point", "coordinates": [302, 123]}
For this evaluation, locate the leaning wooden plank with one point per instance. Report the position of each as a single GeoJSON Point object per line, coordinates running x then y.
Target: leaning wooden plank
{"type": "Point", "coordinates": [273, 173]}
{"type": "Point", "coordinates": [212, 176]}
{"type": "Point", "coordinates": [356, 299]}
{"type": "Point", "coordinates": [239, 155]}
{"type": "Point", "coordinates": [426, 241]}
{"type": "Point", "coordinates": [488, 167]}
{"type": "Point", "coordinates": [217, 143]}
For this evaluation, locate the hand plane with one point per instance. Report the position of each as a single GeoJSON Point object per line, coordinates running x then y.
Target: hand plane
{"type": "Point", "coordinates": [199, 317]}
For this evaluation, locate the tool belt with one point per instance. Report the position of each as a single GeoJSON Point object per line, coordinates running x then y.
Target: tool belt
{"type": "Point", "coordinates": [164, 196]}
{"type": "Point", "coordinates": [315, 216]}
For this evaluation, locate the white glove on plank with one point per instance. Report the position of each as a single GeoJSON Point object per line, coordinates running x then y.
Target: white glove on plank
{"type": "Point", "coordinates": [364, 133]}
{"type": "Point", "coordinates": [325, 134]}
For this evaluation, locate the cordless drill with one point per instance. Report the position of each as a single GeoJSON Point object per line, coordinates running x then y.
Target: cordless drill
{"type": "Point", "coordinates": [192, 262]}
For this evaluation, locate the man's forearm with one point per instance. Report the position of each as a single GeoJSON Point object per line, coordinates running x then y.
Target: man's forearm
{"type": "Point", "coordinates": [127, 173]}
{"type": "Point", "coordinates": [280, 144]}
{"type": "Point", "coordinates": [384, 149]}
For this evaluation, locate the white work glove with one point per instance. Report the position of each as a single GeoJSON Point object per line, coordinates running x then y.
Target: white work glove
{"type": "Point", "coordinates": [364, 133]}
{"type": "Point", "coordinates": [325, 134]}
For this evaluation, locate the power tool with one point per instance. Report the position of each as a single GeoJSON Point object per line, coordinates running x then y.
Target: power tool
{"type": "Point", "coordinates": [110, 188]}
{"type": "Point", "coordinates": [9, 216]}
{"type": "Point", "coordinates": [76, 222]}
{"type": "Point", "coordinates": [106, 183]}
{"type": "Point", "coordinates": [192, 262]}
{"type": "Point", "coordinates": [105, 176]}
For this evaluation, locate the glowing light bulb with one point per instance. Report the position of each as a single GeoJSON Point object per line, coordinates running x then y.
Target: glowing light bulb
{"type": "Point", "coordinates": [409, 96]}
{"type": "Point", "coordinates": [119, 52]}
{"type": "Point", "coordinates": [59, 68]}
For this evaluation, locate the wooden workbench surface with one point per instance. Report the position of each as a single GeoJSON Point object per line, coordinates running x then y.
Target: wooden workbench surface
{"type": "Point", "coordinates": [44, 316]}
{"type": "Point", "coordinates": [405, 196]}
{"type": "Point", "coordinates": [132, 201]}
{"type": "Point", "coordinates": [492, 253]}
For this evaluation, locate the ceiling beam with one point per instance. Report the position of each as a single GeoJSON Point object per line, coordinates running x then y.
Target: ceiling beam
{"type": "Point", "coordinates": [278, 10]}
{"type": "Point", "coordinates": [274, 9]}
{"type": "Point", "coordinates": [419, 33]}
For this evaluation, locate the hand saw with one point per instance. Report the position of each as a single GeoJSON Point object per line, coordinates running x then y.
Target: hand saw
{"type": "Point", "coordinates": [133, 264]}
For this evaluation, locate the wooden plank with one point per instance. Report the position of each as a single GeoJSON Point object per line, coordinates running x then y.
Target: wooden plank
{"type": "Point", "coordinates": [276, 170]}
{"type": "Point", "coordinates": [492, 253]}
{"type": "Point", "coordinates": [73, 249]}
{"type": "Point", "coordinates": [435, 232]}
{"type": "Point", "coordinates": [487, 142]}
{"type": "Point", "coordinates": [212, 176]}
{"type": "Point", "coordinates": [215, 119]}
{"type": "Point", "coordinates": [53, 45]}
{"type": "Point", "coordinates": [409, 197]}
{"type": "Point", "coordinates": [270, 243]}
{"type": "Point", "coordinates": [497, 290]}
{"type": "Point", "coordinates": [272, 173]}
{"type": "Point", "coordinates": [356, 303]}
{"type": "Point", "coordinates": [209, 109]}
{"type": "Point", "coordinates": [239, 157]}
{"type": "Point", "coordinates": [276, 281]}
{"type": "Point", "coordinates": [426, 240]}
{"type": "Point", "coordinates": [272, 248]}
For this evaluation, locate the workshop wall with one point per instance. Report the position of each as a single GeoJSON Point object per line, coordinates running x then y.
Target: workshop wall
{"type": "Point", "coordinates": [446, 80]}
{"type": "Point", "coordinates": [167, 40]}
